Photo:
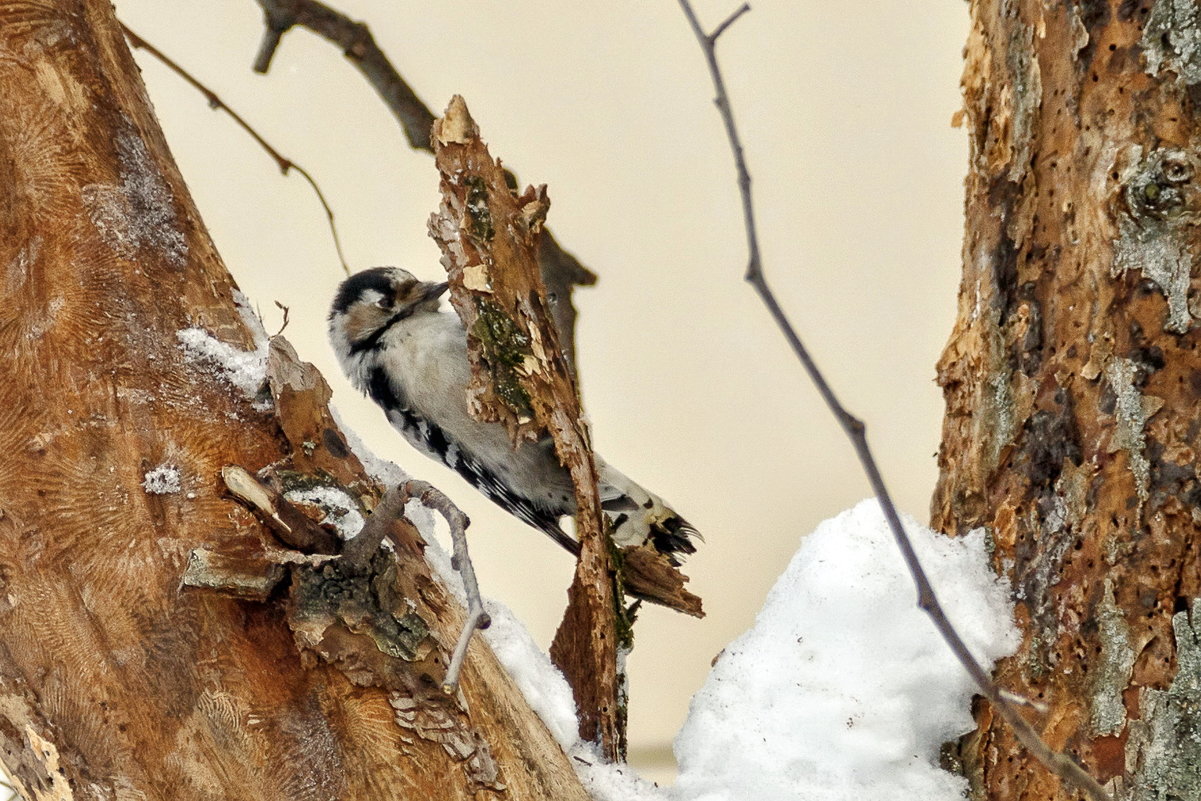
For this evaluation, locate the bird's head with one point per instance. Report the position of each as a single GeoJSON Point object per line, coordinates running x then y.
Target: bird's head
{"type": "Point", "coordinates": [370, 302]}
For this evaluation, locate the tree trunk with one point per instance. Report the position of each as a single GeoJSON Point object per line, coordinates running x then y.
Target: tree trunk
{"type": "Point", "coordinates": [1072, 382]}
{"type": "Point", "coordinates": [156, 640]}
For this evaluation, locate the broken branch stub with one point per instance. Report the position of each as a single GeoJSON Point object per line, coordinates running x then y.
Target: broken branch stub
{"type": "Point", "coordinates": [489, 238]}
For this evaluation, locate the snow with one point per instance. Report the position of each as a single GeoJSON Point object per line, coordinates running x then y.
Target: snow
{"type": "Point", "coordinates": [546, 691]}
{"type": "Point", "coordinates": [541, 683]}
{"type": "Point", "coordinates": [387, 473]}
{"type": "Point", "coordinates": [842, 689]}
{"type": "Point", "coordinates": [251, 319]}
{"type": "Point", "coordinates": [341, 511]}
{"type": "Point", "coordinates": [382, 470]}
{"type": "Point", "coordinates": [162, 480]}
{"type": "Point", "coordinates": [244, 369]}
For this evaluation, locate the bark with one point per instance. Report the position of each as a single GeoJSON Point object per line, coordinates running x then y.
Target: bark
{"type": "Point", "coordinates": [1072, 382]}
{"type": "Point", "coordinates": [157, 639]}
{"type": "Point", "coordinates": [490, 241]}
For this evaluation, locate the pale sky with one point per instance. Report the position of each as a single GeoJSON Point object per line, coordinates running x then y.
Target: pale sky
{"type": "Point", "coordinates": [845, 112]}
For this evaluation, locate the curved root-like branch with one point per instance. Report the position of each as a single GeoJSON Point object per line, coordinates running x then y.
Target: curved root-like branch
{"type": "Point", "coordinates": [433, 498]}
{"type": "Point", "coordinates": [359, 551]}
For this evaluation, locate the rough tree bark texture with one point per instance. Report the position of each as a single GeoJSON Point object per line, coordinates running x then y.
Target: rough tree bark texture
{"type": "Point", "coordinates": [157, 641]}
{"type": "Point", "coordinates": [489, 238]}
{"type": "Point", "coordinates": [1072, 382]}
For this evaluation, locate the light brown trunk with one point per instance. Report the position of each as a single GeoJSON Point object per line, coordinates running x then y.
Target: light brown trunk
{"type": "Point", "coordinates": [1073, 382]}
{"type": "Point", "coordinates": [119, 677]}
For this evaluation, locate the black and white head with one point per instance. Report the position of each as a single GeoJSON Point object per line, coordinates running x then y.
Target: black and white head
{"type": "Point", "coordinates": [372, 301]}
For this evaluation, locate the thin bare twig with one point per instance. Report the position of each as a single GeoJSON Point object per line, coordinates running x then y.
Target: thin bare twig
{"type": "Point", "coordinates": [1060, 764]}
{"type": "Point", "coordinates": [285, 164]}
{"type": "Point", "coordinates": [727, 22]}
{"type": "Point", "coordinates": [433, 498]}
{"type": "Point", "coordinates": [287, 312]}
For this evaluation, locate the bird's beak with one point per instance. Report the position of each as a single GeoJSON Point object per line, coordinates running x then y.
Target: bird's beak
{"type": "Point", "coordinates": [429, 291]}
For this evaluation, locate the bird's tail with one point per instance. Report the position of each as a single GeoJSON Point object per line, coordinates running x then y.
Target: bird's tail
{"type": "Point", "coordinates": [638, 516]}
{"type": "Point", "coordinates": [654, 540]}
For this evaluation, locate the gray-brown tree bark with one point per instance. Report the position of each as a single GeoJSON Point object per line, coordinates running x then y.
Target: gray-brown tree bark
{"type": "Point", "coordinates": [1073, 382]}
{"type": "Point", "coordinates": [158, 640]}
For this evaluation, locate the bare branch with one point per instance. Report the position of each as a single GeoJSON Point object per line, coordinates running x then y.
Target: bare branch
{"type": "Point", "coordinates": [730, 20]}
{"type": "Point", "coordinates": [274, 27]}
{"type": "Point", "coordinates": [215, 102]}
{"type": "Point", "coordinates": [855, 430]}
{"type": "Point", "coordinates": [359, 47]}
{"type": "Point", "coordinates": [433, 498]}
{"type": "Point", "coordinates": [287, 312]}
{"type": "Point", "coordinates": [561, 271]}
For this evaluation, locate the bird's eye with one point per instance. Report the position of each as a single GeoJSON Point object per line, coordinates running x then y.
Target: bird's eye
{"type": "Point", "coordinates": [384, 303]}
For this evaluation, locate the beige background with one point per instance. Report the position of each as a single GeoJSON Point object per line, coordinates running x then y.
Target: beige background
{"type": "Point", "coordinates": [845, 110]}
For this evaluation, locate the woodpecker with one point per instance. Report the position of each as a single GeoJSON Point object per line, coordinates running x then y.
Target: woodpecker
{"type": "Point", "coordinates": [411, 359]}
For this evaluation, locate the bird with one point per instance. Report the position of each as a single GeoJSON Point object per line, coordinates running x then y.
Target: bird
{"type": "Point", "coordinates": [398, 348]}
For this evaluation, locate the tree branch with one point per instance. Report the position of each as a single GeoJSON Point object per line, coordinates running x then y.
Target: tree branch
{"type": "Point", "coordinates": [433, 498]}
{"type": "Point", "coordinates": [855, 430]}
{"type": "Point", "coordinates": [285, 164]}
{"type": "Point", "coordinates": [359, 47]}
{"type": "Point", "coordinates": [561, 271]}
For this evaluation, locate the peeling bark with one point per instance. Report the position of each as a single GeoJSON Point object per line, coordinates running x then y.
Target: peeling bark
{"type": "Point", "coordinates": [1072, 381]}
{"type": "Point", "coordinates": [157, 639]}
{"type": "Point", "coordinates": [520, 377]}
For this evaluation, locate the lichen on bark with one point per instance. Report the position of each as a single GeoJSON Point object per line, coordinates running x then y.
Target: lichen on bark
{"type": "Point", "coordinates": [1162, 744]}
{"type": "Point", "coordinates": [1112, 674]}
{"type": "Point", "coordinates": [1152, 227]}
{"type": "Point", "coordinates": [1172, 39]}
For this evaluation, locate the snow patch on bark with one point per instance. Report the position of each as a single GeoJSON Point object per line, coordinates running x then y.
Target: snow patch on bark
{"type": "Point", "coordinates": [341, 511]}
{"type": "Point", "coordinates": [139, 211]}
{"type": "Point", "coordinates": [162, 480]}
{"type": "Point", "coordinates": [244, 369]}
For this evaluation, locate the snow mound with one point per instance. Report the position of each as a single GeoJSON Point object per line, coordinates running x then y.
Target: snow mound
{"type": "Point", "coordinates": [843, 689]}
